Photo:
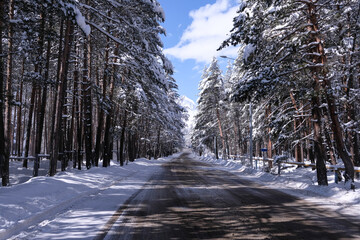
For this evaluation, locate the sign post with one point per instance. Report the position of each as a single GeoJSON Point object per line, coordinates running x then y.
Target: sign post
{"type": "Point", "coordinates": [251, 132]}
{"type": "Point", "coordinates": [264, 150]}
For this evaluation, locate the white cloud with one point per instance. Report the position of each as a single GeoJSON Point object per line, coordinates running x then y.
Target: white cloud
{"type": "Point", "coordinates": [210, 26]}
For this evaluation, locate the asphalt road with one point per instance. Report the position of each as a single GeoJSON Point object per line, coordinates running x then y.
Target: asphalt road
{"type": "Point", "coordinates": [191, 200]}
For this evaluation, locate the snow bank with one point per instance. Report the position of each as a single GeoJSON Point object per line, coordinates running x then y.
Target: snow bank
{"type": "Point", "coordinates": [45, 207]}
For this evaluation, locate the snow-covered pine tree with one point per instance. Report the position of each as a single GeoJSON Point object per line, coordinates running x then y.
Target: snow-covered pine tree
{"type": "Point", "coordinates": [209, 125]}
{"type": "Point", "coordinates": [63, 70]}
{"type": "Point", "coordinates": [132, 30]}
{"type": "Point", "coordinates": [282, 39]}
{"type": "Point", "coordinates": [344, 49]}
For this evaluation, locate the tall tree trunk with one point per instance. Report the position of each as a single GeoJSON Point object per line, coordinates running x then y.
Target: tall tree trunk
{"type": "Point", "coordinates": [350, 82]}
{"type": "Point", "coordinates": [4, 160]}
{"type": "Point", "coordinates": [240, 143]}
{"type": "Point", "coordinates": [237, 134]}
{"type": "Point", "coordinates": [131, 146]}
{"type": "Point", "coordinates": [319, 150]}
{"type": "Point", "coordinates": [325, 84]}
{"type": "Point", "coordinates": [122, 139]}
{"type": "Point", "coordinates": [62, 155]}
{"type": "Point", "coordinates": [35, 90]}
{"type": "Point", "coordinates": [308, 132]}
{"type": "Point", "coordinates": [61, 94]}
{"type": "Point", "coordinates": [53, 162]}
{"type": "Point", "coordinates": [100, 127]}
{"type": "Point", "coordinates": [29, 124]}
{"type": "Point", "coordinates": [87, 106]}
{"type": "Point", "coordinates": [90, 111]}
{"type": "Point", "coordinates": [41, 111]}
{"type": "Point", "coordinates": [13, 132]}
{"type": "Point", "coordinates": [79, 123]}
{"type": "Point", "coordinates": [108, 143]}
{"type": "Point", "coordinates": [19, 112]}
{"type": "Point", "coordinates": [216, 148]}
{"type": "Point", "coordinates": [221, 133]}
{"type": "Point", "coordinates": [318, 86]}
{"type": "Point", "coordinates": [318, 143]}
{"type": "Point", "coordinates": [269, 142]}
{"type": "Point", "coordinates": [157, 153]}
{"type": "Point", "coordinates": [297, 122]}
{"type": "Point", "coordinates": [70, 147]}
{"type": "Point", "coordinates": [9, 94]}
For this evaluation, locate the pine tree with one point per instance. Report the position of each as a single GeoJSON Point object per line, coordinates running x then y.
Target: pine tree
{"type": "Point", "coordinates": [282, 39]}
{"type": "Point", "coordinates": [62, 97]}
{"type": "Point", "coordinates": [209, 126]}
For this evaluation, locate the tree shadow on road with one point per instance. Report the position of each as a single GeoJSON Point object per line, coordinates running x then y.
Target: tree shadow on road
{"type": "Point", "coordinates": [187, 201]}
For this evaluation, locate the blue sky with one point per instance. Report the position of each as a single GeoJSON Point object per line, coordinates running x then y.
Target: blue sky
{"type": "Point", "coordinates": [195, 29]}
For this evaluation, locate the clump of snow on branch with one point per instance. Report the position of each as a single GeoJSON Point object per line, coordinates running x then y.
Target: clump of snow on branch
{"type": "Point", "coordinates": [81, 22]}
{"type": "Point", "coordinates": [248, 51]}
{"type": "Point", "coordinates": [80, 19]}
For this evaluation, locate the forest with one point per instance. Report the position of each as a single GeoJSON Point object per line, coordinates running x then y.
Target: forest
{"type": "Point", "coordinates": [83, 81]}
{"type": "Point", "coordinates": [294, 88]}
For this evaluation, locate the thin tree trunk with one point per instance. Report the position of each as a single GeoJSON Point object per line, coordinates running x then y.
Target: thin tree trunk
{"type": "Point", "coordinates": [318, 144]}
{"type": "Point", "coordinates": [157, 153]}
{"type": "Point", "coordinates": [34, 93]}
{"type": "Point", "coordinates": [52, 132]}
{"type": "Point", "coordinates": [258, 148]}
{"type": "Point", "coordinates": [100, 127]}
{"type": "Point", "coordinates": [79, 123]}
{"type": "Point", "coordinates": [19, 113]}
{"type": "Point", "coordinates": [9, 94]}
{"type": "Point", "coordinates": [13, 132]}
{"type": "Point", "coordinates": [297, 122]}
{"type": "Point", "coordinates": [70, 146]}
{"type": "Point", "coordinates": [4, 160]}
{"type": "Point", "coordinates": [122, 139]}
{"type": "Point", "coordinates": [221, 133]}
{"type": "Point", "coordinates": [319, 150]}
{"type": "Point", "coordinates": [29, 124]}
{"type": "Point", "coordinates": [107, 147]}
{"type": "Point", "coordinates": [87, 107]}
{"type": "Point", "coordinates": [62, 155]}
{"type": "Point", "coordinates": [136, 146]}
{"type": "Point", "coordinates": [240, 144]}
{"type": "Point", "coordinates": [297, 145]}
{"type": "Point", "coordinates": [61, 94]}
{"type": "Point", "coordinates": [216, 148]}
{"type": "Point", "coordinates": [130, 147]}
{"type": "Point", "coordinates": [41, 111]}
{"type": "Point", "coordinates": [309, 131]}
{"type": "Point", "coordinates": [108, 144]}
{"type": "Point", "coordinates": [269, 142]}
{"type": "Point", "coordinates": [89, 141]}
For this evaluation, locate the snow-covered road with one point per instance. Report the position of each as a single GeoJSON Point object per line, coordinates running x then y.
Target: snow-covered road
{"type": "Point", "coordinates": [190, 199]}
{"type": "Point", "coordinates": [95, 203]}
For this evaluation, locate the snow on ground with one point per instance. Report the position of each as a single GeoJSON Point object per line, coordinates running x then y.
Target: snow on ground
{"type": "Point", "coordinates": [76, 204]}
{"type": "Point", "coordinates": [71, 205]}
{"type": "Point", "coordinates": [300, 182]}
